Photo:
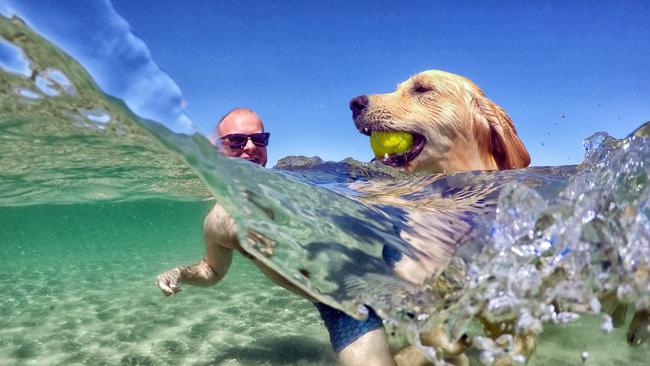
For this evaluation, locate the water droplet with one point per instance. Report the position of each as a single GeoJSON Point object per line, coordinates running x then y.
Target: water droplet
{"type": "Point", "coordinates": [13, 60]}
{"type": "Point", "coordinates": [567, 317]}
{"type": "Point", "coordinates": [595, 305]}
{"type": "Point", "coordinates": [27, 93]}
{"type": "Point", "coordinates": [46, 86]}
{"type": "Point", "coordinates": [607, 325]}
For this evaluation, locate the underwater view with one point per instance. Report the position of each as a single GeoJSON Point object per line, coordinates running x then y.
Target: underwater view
{"type": "Point", "coordinates": [102, 188]}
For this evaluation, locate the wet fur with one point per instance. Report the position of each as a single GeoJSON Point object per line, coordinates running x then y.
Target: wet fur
{"type": "Point", "coordinates": [464, 131]}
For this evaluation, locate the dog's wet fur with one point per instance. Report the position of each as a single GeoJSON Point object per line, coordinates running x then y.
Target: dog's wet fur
{"type": "Point", "coordinates": [455, 128]}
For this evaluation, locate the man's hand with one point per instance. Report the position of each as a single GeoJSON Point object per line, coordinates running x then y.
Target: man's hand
{"type": "Point", "coordinates": [169, 282]}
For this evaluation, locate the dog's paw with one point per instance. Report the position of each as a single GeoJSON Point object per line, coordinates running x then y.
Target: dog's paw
{"type": "Point", "coordinates": [638, 330]}
{"type": "Point", "coordinates": [438, 339]}
{"type": "Point", "coordinates": [618, 314]}
{"type": "Point", "coordinates": [460, 360]}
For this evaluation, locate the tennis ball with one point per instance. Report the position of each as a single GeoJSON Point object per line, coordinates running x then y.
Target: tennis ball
{"type": "Point", "coordinates": [385, 142]}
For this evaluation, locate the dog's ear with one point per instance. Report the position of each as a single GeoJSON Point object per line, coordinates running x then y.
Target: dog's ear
{"type": "Point", "coordinates": [504, 143]}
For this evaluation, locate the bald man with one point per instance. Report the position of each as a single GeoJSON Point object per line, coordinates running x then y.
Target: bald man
{"type": "Point", "coordinates": [240, 134]}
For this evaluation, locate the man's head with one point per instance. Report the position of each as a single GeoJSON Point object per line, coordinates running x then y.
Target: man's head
{"type": "Point", "coordinates": [240, 134]}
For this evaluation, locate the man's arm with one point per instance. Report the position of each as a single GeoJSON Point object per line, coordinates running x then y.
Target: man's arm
{"type": "Point", "coordinates": [219, 237]}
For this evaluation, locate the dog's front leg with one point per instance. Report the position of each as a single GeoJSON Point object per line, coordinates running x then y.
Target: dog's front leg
{"type": "Point", "coordinates": [638, 331]}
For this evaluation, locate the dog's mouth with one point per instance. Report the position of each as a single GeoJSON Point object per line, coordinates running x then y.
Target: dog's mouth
{"type": "Point", "coordinates": [400, 160]}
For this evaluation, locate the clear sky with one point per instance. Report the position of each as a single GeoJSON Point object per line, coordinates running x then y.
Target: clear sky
{"type": "Point", "coordinates": [562, 69]}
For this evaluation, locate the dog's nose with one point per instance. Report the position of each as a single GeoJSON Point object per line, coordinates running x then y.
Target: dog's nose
{"type": "Point", "coordinates": [358, 104]}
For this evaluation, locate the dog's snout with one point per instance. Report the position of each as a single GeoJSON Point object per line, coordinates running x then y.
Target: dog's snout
{"type": "Point", "coordinates": [358, 104]}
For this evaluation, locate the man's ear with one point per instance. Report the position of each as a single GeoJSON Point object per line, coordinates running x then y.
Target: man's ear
{"type": "Point", "coordinates": [504, 143]}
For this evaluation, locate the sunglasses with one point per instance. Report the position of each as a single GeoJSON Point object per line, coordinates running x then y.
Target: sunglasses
{"type": "Point", "coordinates": [237, 141]}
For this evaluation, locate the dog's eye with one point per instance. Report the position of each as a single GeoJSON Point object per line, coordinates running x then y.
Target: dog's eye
{"type": "Point", "coordinates": [421, 89]}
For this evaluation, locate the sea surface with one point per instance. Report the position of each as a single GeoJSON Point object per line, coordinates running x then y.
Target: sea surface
{"type": "Point", "coordinates": [95, 201]}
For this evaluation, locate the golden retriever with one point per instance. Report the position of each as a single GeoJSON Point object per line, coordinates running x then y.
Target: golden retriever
{"type": "Point", "coordinates": [455, 127]}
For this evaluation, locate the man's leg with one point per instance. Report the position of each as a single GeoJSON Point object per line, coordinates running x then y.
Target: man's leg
{"type": "Point", "coordinates": [357, 342]}
{"type": "Point", "coordinates": [371, 349]}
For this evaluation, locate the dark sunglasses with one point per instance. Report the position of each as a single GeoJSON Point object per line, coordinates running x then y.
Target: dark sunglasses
{"type": "Point", "coordinates": [237, 141]}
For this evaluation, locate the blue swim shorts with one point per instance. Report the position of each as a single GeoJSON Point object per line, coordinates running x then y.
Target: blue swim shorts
{"type": "Point", "coordinates": [343, 328]}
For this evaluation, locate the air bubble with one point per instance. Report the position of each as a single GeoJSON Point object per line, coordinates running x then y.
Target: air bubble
{"type": "Point", "coordinates": [98, 115]}
{"type": "Point", "coordinates": [607, 325]}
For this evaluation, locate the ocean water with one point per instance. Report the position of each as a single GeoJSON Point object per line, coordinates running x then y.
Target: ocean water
{"type": "Point", "coordinates": [78, 285]}
{"type": "Point", "coordinates": [79, 290]}
{"type": "Point", "coordinates": [96, 201]}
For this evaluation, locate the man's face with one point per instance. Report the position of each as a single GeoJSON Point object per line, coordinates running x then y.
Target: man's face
{"type": "Point", "coordinates": [242, 122]}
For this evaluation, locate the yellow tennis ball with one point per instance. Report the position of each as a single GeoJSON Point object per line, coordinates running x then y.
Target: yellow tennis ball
{"type": "Point", "coordinates": [385, 142]}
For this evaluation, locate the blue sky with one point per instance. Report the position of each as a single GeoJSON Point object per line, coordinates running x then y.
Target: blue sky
{"type": "Point", "coordinates": [562, 69]}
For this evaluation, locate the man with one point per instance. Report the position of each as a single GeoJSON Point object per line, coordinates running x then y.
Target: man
{"type": "Point", "coordinates": [240, 134]}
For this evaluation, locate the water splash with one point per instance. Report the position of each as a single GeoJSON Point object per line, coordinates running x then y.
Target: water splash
{"type": "Point", "coordinates": [81, 144]}
{"type": "Point", "coordinates": [553, 258]}
{"type": "Point", "coordinates": [120, 62]}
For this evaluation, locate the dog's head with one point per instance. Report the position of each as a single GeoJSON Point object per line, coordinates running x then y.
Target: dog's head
{"type": "Point", "coordinates": [454, 126]}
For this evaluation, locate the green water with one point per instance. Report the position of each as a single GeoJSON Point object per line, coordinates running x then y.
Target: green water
{"type": "Point", "coordinates": [78, 289]}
